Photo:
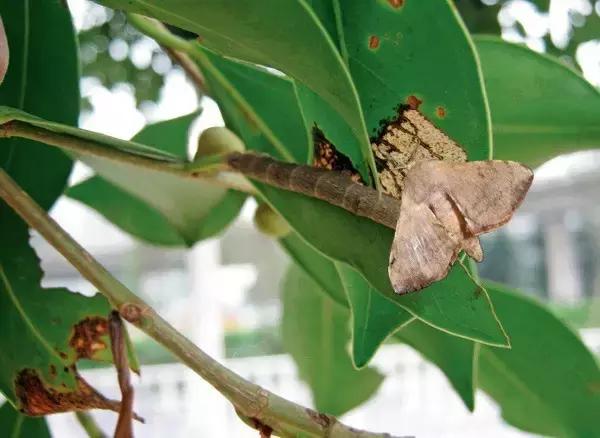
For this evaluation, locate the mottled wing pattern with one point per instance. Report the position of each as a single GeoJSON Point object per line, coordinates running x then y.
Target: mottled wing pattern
{"type": "Point", "coordinates": [422, 251]}
{"type": "Point", "coordinates": [407, 139]}
{"type": "Point", "coordinates": [445, 206]}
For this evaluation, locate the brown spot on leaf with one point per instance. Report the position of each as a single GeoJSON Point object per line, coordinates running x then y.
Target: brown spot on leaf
{"type": "Point", "coordinates": [63, 355]}
{"type": "Point", "coordinates": [373, 42]}
{"type": "Point", "coordinates": [396, 3]}
{"type": "Point", "coordinates": [413, 102]}
{"type": "Point", "coordinates": [52, 370]}
{"type": "Point", "coordinates": [441, 112]}
{"type": "Point", "coordinates": [322, 420]}
{"type": "Point", "coordinates": [36, 399]}
{"type": "Point", "coordinates": [86, 337]}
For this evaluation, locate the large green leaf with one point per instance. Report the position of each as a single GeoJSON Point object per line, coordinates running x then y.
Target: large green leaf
{"type": "Point", "coordinates": [317, 341]}
{"type": "Point", "coordinates": [540, 108]}
{"type": "Point", "coordinates": [42, 78]}
{"type": "Point", "coordinates": [184, 210]}
{"type": "Point", "coordinates": [549, 382]}
{"type": "Point", "coordinates": [284, 34]}
{"type": "Point", "coordinates": [15, 425]}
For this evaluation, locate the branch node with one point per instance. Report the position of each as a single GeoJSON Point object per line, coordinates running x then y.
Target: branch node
{"type": "Point", "coordinates": [133, 312]}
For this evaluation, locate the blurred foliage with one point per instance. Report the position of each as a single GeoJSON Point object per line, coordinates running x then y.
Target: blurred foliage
{"type": "Point", "coordinates": [114, 53]}
{"type": "Point", "coordinates": [482, 18]}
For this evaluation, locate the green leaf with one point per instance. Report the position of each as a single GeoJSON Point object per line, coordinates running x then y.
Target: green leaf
{"type": "Point", "coordinates": [317, 342]}
{"type": "Point", "coordinates": [260, 107]}
{"type": "Point", "coordinates": [456, 357]}
{"type": "Point", "coordinates": [15, 425]}
{"type": "Point", "coordinates": [373, 323]}
{"type": "Point", "coordinates": [289, 38]}
{"type": "Point", "coordinates": [393, 54]}
{"type": "Point", "coordinates": [125, 211]}
{"type": "Point", "coordinates": [184, 210]}
{"type": "Point", "coordinates": [549, 382]}
{"type": "Point", "coordinates": [43, 78]}
{"type": "Point", "coordinates": [540, 108]}
{"type": "Point", "coordinates": [320, 269]}
{"type": "Point", "coordinates": [374, 318]}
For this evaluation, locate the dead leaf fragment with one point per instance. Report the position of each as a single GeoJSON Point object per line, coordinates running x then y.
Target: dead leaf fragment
{"type": "Point", "coordinates": [37, 399]}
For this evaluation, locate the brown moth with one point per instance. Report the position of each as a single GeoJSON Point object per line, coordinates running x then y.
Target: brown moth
{"type": "Point", "coordinates": [445, 207]}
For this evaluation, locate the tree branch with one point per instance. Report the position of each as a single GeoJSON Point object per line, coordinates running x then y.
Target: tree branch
{"type": "Point", "coordinates": [252, 401]}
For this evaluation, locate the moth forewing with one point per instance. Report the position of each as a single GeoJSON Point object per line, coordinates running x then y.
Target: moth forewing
{"type": "Point", "coordinates": [445, 206]}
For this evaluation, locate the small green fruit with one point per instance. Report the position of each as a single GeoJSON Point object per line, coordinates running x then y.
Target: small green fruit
{"type": "Point", "coordinates": [218, 140]}
{"type": "Point", "coordinates": [269, 222]}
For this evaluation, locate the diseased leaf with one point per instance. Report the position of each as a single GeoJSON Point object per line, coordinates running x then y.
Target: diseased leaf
{"type": "Point", "coordinates": [540, 108]}
{"type": "Point", "coordinates": [549, 382]}
{"type": "Point", "coordinates": [184, 210]}
{"type": "Point", "coordinates": [385, 42]}
{"type": "Point", "coordinates": [16, 425]}
{"type": "Point", "coordinates": [317, 342]}
{"type": "Point", "coordinates": [50, 329]}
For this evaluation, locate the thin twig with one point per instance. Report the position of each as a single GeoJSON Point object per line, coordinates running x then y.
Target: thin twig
{"type": "Point", "coordinates": [89, 424]}
{"type": "Point", "coordinates": [189, 67]}
{"type": "Point", "coordinates": [284, 417]}
{"type": "Point", "coordinates": [124, 428]}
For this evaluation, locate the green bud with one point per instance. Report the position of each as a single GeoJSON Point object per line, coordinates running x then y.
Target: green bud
{"type": "Point", "coordinates": [269, 222]}
{"type": "Point", "coordinates": [218, 140]}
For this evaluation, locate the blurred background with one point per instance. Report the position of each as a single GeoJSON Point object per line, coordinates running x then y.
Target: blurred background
{"type": "Point", "coordinates": [224, 293]}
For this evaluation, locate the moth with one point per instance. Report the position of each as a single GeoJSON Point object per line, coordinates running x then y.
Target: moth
{"type": "Point", "coordinates": [445, 207]}
{"type": "Point", "coordinates": [437, 202]}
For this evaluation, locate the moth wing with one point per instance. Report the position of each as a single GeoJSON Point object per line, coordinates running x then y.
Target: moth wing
{"type": "Point", "coordinates": [422, 251]}
{"type": "Point", "coordinates": [486, 192]}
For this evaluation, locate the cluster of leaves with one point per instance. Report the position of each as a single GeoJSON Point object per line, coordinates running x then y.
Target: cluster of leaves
{"type": "Point", "coordinates": [353, 65]}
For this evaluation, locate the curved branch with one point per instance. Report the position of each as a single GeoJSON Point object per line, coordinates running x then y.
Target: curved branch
{"type": "Point", "coordinates": [252, 401]}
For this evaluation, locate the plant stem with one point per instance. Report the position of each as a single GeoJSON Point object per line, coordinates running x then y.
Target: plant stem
{"type": "Point", "coordinates": [89, 425]}
{"type": "Point", "coordinates": [252, 401]}
{"type": "Point", "coordinates": [188, 66]}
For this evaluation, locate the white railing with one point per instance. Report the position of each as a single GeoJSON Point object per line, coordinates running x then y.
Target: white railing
{"type": "Point", "coordinates": [415, 399]}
